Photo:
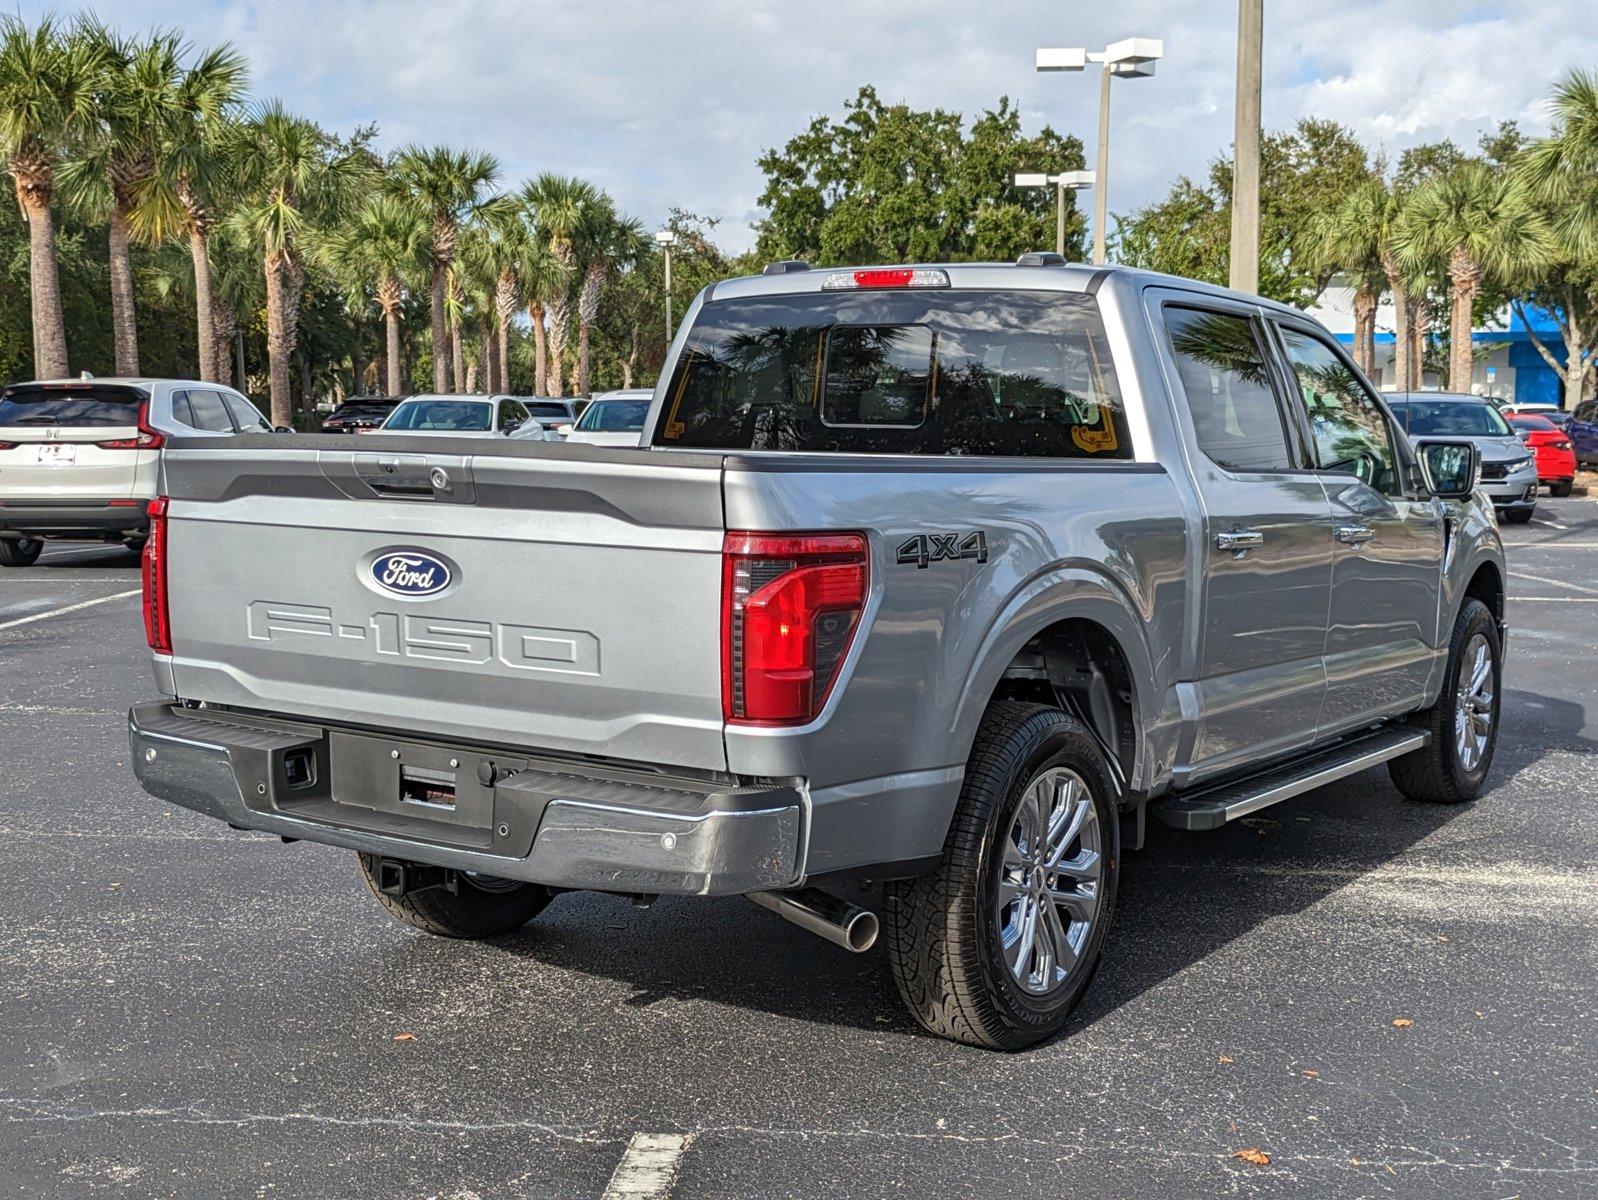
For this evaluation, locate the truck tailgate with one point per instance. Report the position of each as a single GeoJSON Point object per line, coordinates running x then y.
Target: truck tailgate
{"type": "Point", "coordinates": [552, 597]}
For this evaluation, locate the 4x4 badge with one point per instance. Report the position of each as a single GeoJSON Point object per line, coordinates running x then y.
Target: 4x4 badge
{"type": "Point", "coordinates": [926, 548]}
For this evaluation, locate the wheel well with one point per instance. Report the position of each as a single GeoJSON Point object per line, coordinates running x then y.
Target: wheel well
{"type": "Point", "coordinates": [1487, 586]}
{"type": "Point", "coordinates": [1079, 666]}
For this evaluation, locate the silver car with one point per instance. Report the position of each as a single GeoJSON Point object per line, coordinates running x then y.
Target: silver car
{"type": "Point", "coordinates": [613, 419]}
{"type": "Point", "coordinates": [455, 416]}
{"type": "Point", "coordinates": [1508, 469]}
{"type": "Point", "coordinates": [79, 457]}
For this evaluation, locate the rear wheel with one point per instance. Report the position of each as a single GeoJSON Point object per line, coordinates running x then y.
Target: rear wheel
{"type": "Point", "coordinates": [997, 946]}
{"type": "Point", "coordinates": [1561, 489]}
{"type": "Point", "coordinates": [1464, 721]}
{"type": "Point", "coordinates": [135, 544]}
{"type": "Point", "coordinates": [482, 906]}
{"type": "Point", "coordinates": [20, 552]}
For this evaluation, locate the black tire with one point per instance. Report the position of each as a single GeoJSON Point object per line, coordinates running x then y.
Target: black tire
{"type": "Point", "coordinates": [1561, 489]}
{"type": "Point", "coordinates": [20, 552]}
{"type": "Point", "coordinates": [135, 544]}
{"type": "Point", "coordinates": [1436, 774]}
{"type": "Point", "coordinates": [1518, 516]}
{"type": "Point", "coordinates": [476, 910]}
{"type": "Point", "coordinates": [944, 941]}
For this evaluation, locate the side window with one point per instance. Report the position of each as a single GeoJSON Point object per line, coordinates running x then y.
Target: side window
{"type": "Point", "coordinates": [511, 413]}
{"type": "Point", "coordinates": [181, 409]}
{"type": "Point", "coordinates": [1227, 384]}
{"type": "Point", "coordinates": [1350, 429]}
{"type": "Point", "coordinates": [208, 412]}
{"type": "Point", "coordinates": [244, 414]}
{"type": "Point", "coordinates": [1586, 413]}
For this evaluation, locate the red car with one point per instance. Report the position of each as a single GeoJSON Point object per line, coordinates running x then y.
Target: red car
{"type": "Point", "coordinates": [1556, 456]}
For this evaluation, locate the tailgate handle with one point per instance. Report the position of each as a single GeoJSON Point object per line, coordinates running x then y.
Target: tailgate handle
{"type": "Point", "coordinates": [415, 477]}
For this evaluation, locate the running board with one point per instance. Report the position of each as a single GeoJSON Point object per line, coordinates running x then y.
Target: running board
{"type": "Point", "coordinates": [1212, 807]}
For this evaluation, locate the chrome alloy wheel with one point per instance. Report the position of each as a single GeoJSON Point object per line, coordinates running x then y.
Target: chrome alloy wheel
{"type": "Point", "coordinates": [1050, 880]}
{"type": "Point", "coordinates": [1474, 712]}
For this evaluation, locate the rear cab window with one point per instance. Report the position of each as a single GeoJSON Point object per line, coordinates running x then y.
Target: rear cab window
{"type": "Point", "coordinates": [945, 372]}
{"type": "Point", "coordinates": [70, 407]}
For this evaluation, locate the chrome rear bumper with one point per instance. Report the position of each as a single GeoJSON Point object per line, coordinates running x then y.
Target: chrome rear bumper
{"type": "Point", "coordinates": [563, 824]}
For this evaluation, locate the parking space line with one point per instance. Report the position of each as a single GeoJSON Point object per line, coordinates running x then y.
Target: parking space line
{"type": "Point", "coordinates": [1553, 599]}
{"type": "Point", "coordinates": [58, 612]}
{"type": "Point", "coordinates": [1558, 583]}
{"type": "Point", "coordinates": [649, 1166]}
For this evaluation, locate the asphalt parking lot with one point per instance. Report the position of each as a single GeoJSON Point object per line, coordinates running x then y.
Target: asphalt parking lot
{"type": "Point", "coordinates": [189, 1011]}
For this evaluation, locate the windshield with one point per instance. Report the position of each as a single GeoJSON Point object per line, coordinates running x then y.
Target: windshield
{"type": "Point", "coordinates": [614, 416]}
{"type": "Point", "coordinates": [1443, 417]}
{"type": "Point", "coordinates": [548, 411]}
{"type": "Point", "coordinates": [89, 407]}
{"type": "Point", "coordinates": [442, 414]}
{"type": "Point", "coordinates": [1014, 373]}
{"type": "Point", "coordinates": [1530, 424]}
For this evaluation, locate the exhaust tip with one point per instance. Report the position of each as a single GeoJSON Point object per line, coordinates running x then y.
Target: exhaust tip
{"type": "Point", "coordinates": [862, 932]}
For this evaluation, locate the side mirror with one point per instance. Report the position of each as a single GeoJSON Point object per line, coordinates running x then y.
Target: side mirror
{"type": "Point", "coordinates": [282, 429]}
{"type": "Point", "coordinates": [1450, 470]}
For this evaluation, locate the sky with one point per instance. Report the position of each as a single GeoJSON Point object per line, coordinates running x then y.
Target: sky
{"type": "Point", "coordinates": [667, 104]}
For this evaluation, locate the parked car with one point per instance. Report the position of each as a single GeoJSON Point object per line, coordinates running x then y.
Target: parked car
{"type": "Point", "coordinates": [613, 419]}
{"type": "Point", "coordinates": [79, 458]}
{"type": "Point", "coordinates": [1508, 470]}
{"type": "Point", "coordinates": [455, 416]}
{"type": "Point", "coordinates": [1551, 412]}
{"type": "Point", "coordinates": [943, 576]}
{"type": "Point", "coordinates": [556, 415]}
{"type": "Point", "coordinates": [1553, 451]}
{"type": "Point", "coordinates": [360, 413]}
{"type": "Point", "coordinates": [1582, 429]}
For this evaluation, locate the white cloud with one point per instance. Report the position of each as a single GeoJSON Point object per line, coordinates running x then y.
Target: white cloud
{"type": "Point", "coordinates": [670, 104]}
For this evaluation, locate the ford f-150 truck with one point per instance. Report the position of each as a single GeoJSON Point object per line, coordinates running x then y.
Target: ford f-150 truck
{"type": "Point", "coordinates": [943, 577]}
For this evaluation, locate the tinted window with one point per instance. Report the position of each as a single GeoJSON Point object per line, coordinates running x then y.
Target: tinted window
{"type": "Point", "coordinates": [614, 416]}
{"type": "Point", "coordinates": [1587, 412]}
{"type": "Point", "coordinates": [469, 416]}
{"type": "Point", "coordinates": [1228, 389]}
{"type": "Point", "coordinates": [511, 412]}
{"type": "Point", "coordinates": [547, 411]}
{"type": "Point", "coordinates": [1349, 426]}
{"type": "Point", "coordinates": [899, 372]}
{"type": "Point", "coordinates": [1461, 418]}
{"type": "Point", "coordinates": [209, 414]}
{"type": "Point", "coordinates": [244, 414]}
{"type": "Point", "coordinates": [88, 407]}
{"type": "Point", "coordinates": [1533, 425]}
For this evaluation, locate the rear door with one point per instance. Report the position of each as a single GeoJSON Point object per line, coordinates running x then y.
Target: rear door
{"type": "Point", "coordinates": [70, 441]}
{"type": "Point", "coordinates": [1267, 570]}
{"type": "Point", "coordinates": [536, 596]}
{"type": "Point", "coordinates": [1388, 547]}
{"type": "Point", "coordinates": [1583, 430]}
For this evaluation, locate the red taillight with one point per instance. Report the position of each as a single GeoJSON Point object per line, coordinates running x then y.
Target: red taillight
{"type": "Point", "coordinates": [886, 277]}
{"type": "Point", "coordinates": [1563, 444]}
{"type": "Point", "coordinates": [790, 604]}
{"type": "Point", "coordinates": [147, 438]}
{"type": "Point", "coordinates": [157, 616]}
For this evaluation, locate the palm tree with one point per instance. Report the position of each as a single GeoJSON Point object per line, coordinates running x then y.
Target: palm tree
{"type": "Point", "coordinates": [386, 247]}
{"type": "Point", "coordinates": [447, 184]}
{"type": "Point", "coordinates": [191, 183]}
{"type": "Point", "coordinates": [611, 242]}
{"type": "Point", "coordinates": [292, 177]}
{"type": "Point", "coordinates": [1564, 166]}
{"type": "Point", "coordinates": [47, 83]}
{"type": "Point", "coordinates": [1482, 225]}
{"type": "Point", "coordinates": [564, 209]}
{"type": "Point", "coordinates": [499, 247]}
{"type": "Point", "coordinates": [1348, 240]}
{"type": "Point", "coordinates": [542, 276]}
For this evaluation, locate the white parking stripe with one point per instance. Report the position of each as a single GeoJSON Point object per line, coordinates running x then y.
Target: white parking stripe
{"type": "Point", "coordinates": [1553, 599]}
{"type": "Point", "coordinates": [56, 612]}
{"type": "Point", "coordinates": [649, 1166]}
{"type": "Point", "coordinates": [1558, 583]}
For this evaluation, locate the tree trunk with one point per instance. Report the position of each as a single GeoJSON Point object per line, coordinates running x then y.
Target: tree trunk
{"type": "Point", "coordinates": [44, 279]}
{"type": "Point", "coordinates": [502, 351]}
{"type": "Point", "coordinates": [630, 364]}
{"type": "Point", "coordinates": [1419, 325]}
{"type": "Point", "coordinates": [559, 325]}
{"type": "Point", "coordinates": [223, 323]}
{"type": "Point", "coordinates": [583, 333]}
{"type": "Point", "coordinates": [490, 356]}
{"type": "Point", "coordinates": [441, 371]}
{"type": "Point", "coordinates": [1464, 277]}
{"type": "Point", "coordinates": [277, 343]}
{"type": "Point", "coordinates": [535, 314]}
{"type": "Point", "coordinates": [358, 356]}
{"type": "Point", "coordinates": [1395, 284]}
{"type": "Point", "coordinates": [458, 359]}
{"type": "Point", "coordinates": [307, 400]}
{"type": "Point", "coordinates": [211, 356]}
{"type": "Point", "coordinates": [124, 325]}
{"type": "Point", "coordinates": [396, 377]}
{"type": "Point", "coordinates": [1365, 328]}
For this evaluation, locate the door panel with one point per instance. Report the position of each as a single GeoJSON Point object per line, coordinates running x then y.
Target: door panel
{"type": "Point", "coordinates": [1387, 549]}
{"type": "Point", "coordinates": [1267, 570]}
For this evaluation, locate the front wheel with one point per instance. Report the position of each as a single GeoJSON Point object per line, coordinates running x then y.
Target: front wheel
{"type": "Point", "coordinates": [1518, 516]}
{"type": "Point", "coordinates": [997, 946]}
{"type": "Point", "coordinates": [1464, 721]}
{"type": "Point", "coordinates": [20, 552]}
{"type": "Point", "coordinates": [481, 906]}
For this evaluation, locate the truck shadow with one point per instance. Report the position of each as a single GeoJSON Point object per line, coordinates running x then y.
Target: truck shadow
{"type": "Point", "coordinates": [1182, 899]}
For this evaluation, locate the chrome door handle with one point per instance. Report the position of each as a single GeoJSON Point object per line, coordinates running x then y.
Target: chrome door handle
{"type": "Point", "coordinates": [1237, 538]}
{"type": "Point", "coordinates": [1355, 535]}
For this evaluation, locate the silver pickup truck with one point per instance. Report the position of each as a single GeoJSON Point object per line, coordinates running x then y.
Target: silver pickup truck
{"type": "Point", "coordinates": [943, 577]}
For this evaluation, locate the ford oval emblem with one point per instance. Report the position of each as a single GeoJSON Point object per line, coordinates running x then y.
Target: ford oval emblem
{"type": "Point", "coordinates": [410, 573]}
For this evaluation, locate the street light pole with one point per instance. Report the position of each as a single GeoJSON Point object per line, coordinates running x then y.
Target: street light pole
{"type": "Point", "coordinates": [1244, 265]}
{"type": "Point", "coordinates": [1069, 181]}
{"type": "Point", "coordinates": [666, 239]}
{"type": "Point", "coordinates": [1130, 58]}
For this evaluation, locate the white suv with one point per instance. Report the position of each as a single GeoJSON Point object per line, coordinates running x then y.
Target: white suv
{"type": "Point", "coordinates": [79, 457]}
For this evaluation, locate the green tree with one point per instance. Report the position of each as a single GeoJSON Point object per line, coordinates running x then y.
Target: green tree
{"type": "Point", "coordinates": [1348, 239]}
{"type": "Point", "coordinates": [612, 243]}
{"type": "Point", "coordinates": [889, 183]}
{"type": "Point", "coordinates": [448, 186]}
{"type": "Point", "coordinates": [47, 90]}
{"type": "Point", "coordinates": [564, 209]}
{"type": "Point", "coordinates": [384, 247]}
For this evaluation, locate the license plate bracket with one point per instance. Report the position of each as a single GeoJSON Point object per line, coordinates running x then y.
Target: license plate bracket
{"type": "Point", "coordinates": [56, 454]}
{"type": "Point", "coordinates": [407, 779]}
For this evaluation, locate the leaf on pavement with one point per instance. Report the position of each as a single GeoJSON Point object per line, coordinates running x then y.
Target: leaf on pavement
{"type": "Point", "coordinates": [405, 1037]}
{"type": "Point", "coordinates": [1313, 1074]}
{"type": "Point", "coordinates": [1250, 1155]}
{"type": "Point", "coordinates": [1226, 1060]}
{"type": "Point", "coordinates": [1402, 1022]}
